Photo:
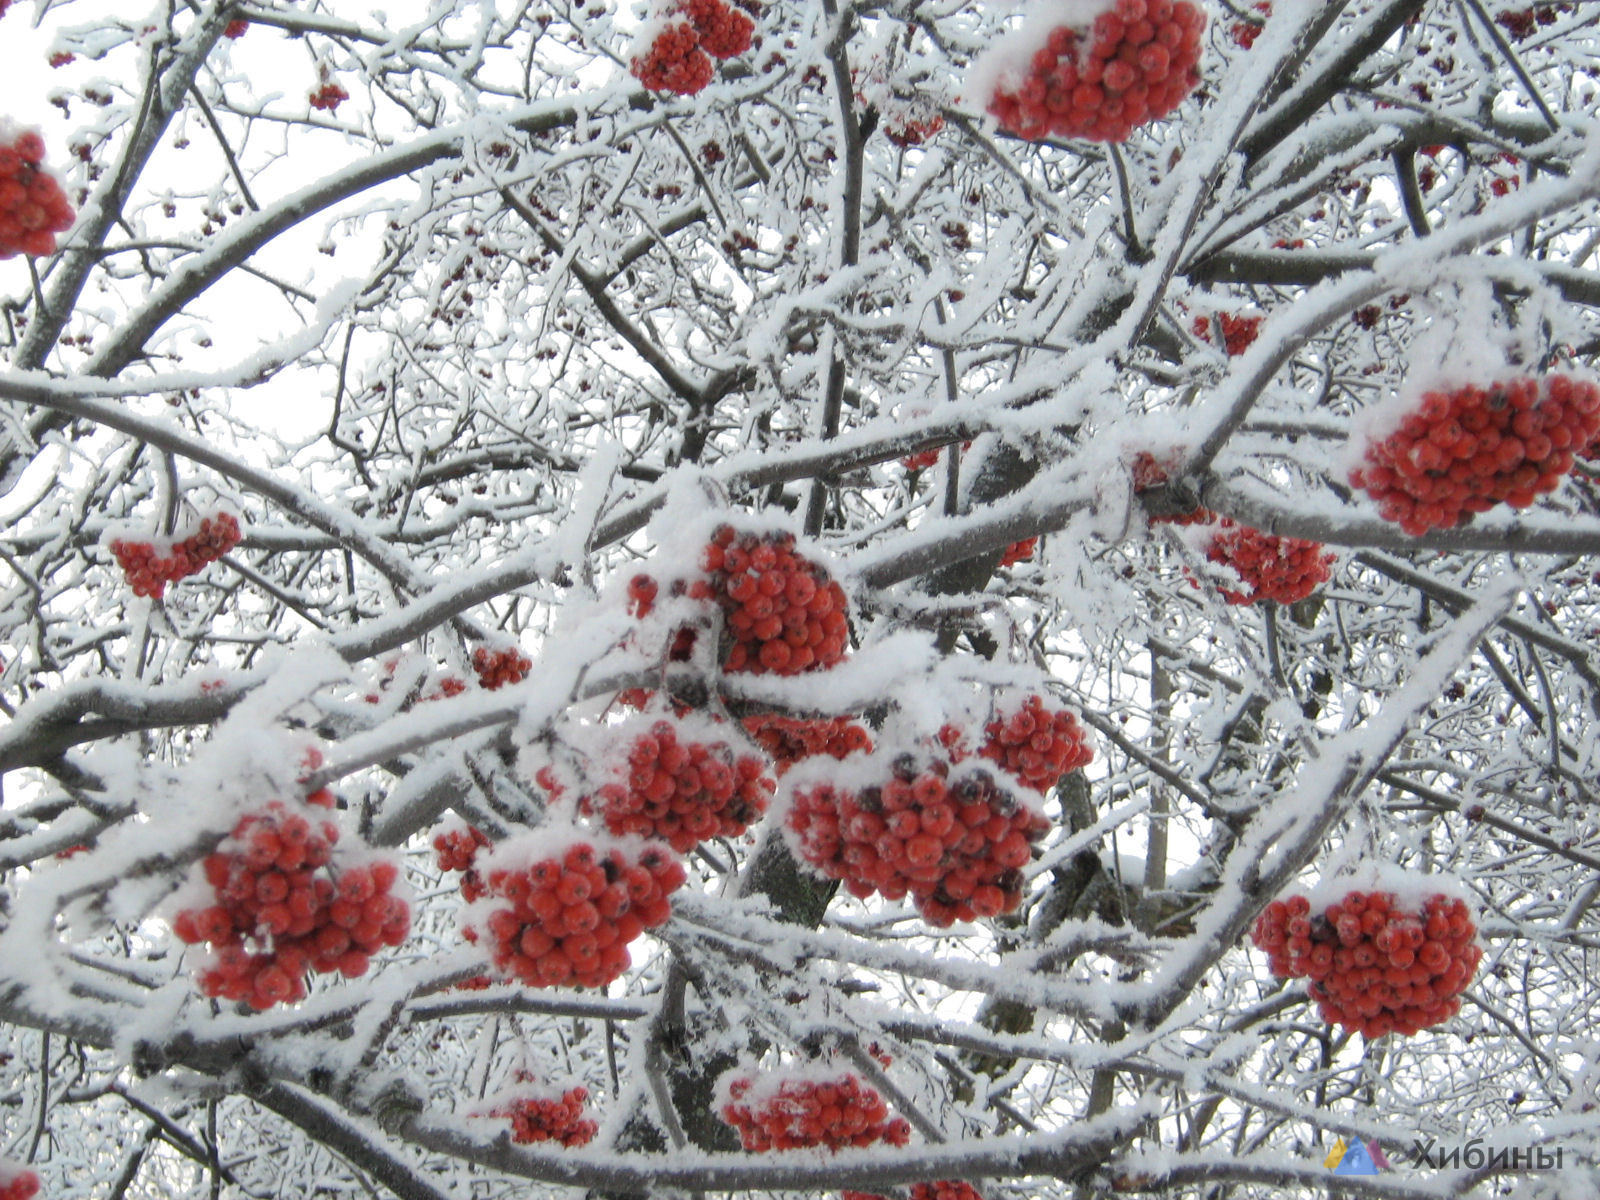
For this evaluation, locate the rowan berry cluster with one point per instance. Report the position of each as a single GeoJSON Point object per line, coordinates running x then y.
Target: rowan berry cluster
{"type": "Point", "coordinates": [1039, 746]}
{"type": "Point", "coordinates": [922, 460]}
{"type": "Point", "coordinates": [457, 850]}
{"type": "Point", "coordinates": [1525, 22]}
{"type": "Point", "coordinates": [912, 131]}
{"type": "Point", "coordinates": [236, 28]}
{"type": "Point", "coordinates": [1238, 333]}
{"type": "Point", "coordinates": [566, 914]}
{"type": "Point", "coordinates": [782, 612]}
{"type": "Point", "coordinates": [782, 1112]}
{"type": "Point", "coordinates": [17, 1182]}
{"type": "Point", "coordinates": [1018, 552]}
{"type": "Point", "coordinates": [1135, 64]}
{"type": "Point", "coordinates": [789, 740]}
{"type": "Point", "coordinates": [1466, 450]}
{"type": "Point", "coordinates": [942, 1189]}
{"type": "Point", "coordinates": [329, 96]}
{"type": "Point", "coordinates": [683, 792]}
{"type": "Point", "coordinates": [282, 909]}
{"type": "Point", "coordinates": [1271, 567]}
{"type": "Point", "coordinates": [1245, 33]}
{"type": "Point", "coordinates": [150, 566]}
{"type": "Point", "coordinates": [497, 668]}
{"type": "Point", "coordinates": [554, 1118]}
{"type": "Point", "coordinates": [678, 59]}
{"type": "Point", "coordinates": [953, 838]}
{"type": "Point", "coordinates": [1376, 965]}
{"type": "Point", "coordinates": [33, 208]}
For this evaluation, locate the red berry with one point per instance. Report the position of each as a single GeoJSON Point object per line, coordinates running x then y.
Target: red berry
{"type": "Point", "coordinates": [33, 208]}
{"type": "Point", "coordinates": [1464, 451]}
{"type": "Point", "coordinates": [547, 1116]}
{"type": "Point", "coordinates": [1103, 81]}
{"type": "Point", "coordinates": [1376, 966]}
{"type": "Point", "coordinates": [951, 837]}
{"type": "Point", "coordinates": [1270, 567]}
{"type": "Point", "coordinates": [791, 1111]}
{"type": "Point", "coordinates": [563, 912]}
{"type": "Point", "coordinates": [496, 668]}
{"type": "Point", "coordinates": [789, 740]}
{"type": "Point", "coordinates": [329, 96]}
{"type": "Point", "coordinates": [674, 62]}
{"type": "Point", "coordinates": [680, 791]}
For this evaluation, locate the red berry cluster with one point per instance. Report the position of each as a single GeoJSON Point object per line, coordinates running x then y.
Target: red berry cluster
{"type": "Point", "coordinates": [549, 1118]}
{"type": "Point", "coordinates": [33, 208]}
{"type": "Point", "coordinates": [16, 1182]}
{"type": "Point", "coordinates": [684, 792]}
{"type": "Point", "coordinates": [1272, 568]}
{"type": "Point", "coordinates": [677, 59]}
{"type": "Point", "coordinates": [276, 917]}
{"type": "Point", "coordinates": [1238, 333]}
{"type": "Point", "coordinates": [922, 460]}
{"type": "Point", "coordinates": [782, 612]}
{"type": "Point", "coordinates": [1375, 966]}
{"type": "Point", "coordinates": [149, 569]}
{"type": "Point", "coordinates": [329, 96]}
{"type": "Point", "coordinates": [1019, 552]}
{"type": "Point", "coordinates": [955, 841]}
{"type": "Point", "coordinates": [236, 28]}
{"type": "Point", "coordinates": [1245, 33]}
{"type": "Point", "coordinates": [1464, 451]}
{"type": "Point", "coordinates": [496, 668]}
{"type": "Point", "coordinates": [457, 850]}
{"type": "Point", "coordinates": [912, 131]}
{"type": "Point", "coordinates": [1038, 745]}
{"type": "Point", "coordinates": [1525, 22]}
{"type": "Point", "coordinates": [789, 740]}
{"type": "Point", "coordinates": [1135, 65]}
{"type": "Point", "coordinates": [568, 916]}
{"type": "Point", "coordinates": [783, 1113]}
{"type": "Point", "coordinates": [943, 1189]}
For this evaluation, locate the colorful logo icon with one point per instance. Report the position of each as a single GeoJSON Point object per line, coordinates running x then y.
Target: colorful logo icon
{"type": "Point", "coordinates": [1353, 1158]}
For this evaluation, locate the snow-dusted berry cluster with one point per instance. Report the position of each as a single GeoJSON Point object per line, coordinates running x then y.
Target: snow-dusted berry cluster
{"type": "Point", "coordinates": [679, 57]}
{"type": "Point", "coordinates": [1270, 567]}
{"type": "Point", "coordinates": [954, 838]}
{"type": "Point", "coordinates": [1465, 450]}
{"type": "Point", "coordinates": [1135, 64]}
{"type": "Point", "coordinates": [942, 1189]}
{"type": "Point", "coordinates": [497, 668]}
{"type": "Point", "coordinates": [1377, 966]}
{"type": "Point", "coordinates": [1018, 552]}
{"type": "Point", "coordinates": [782, 612]}
{"type": "Point", "coordinates": [16, 1181]}
{"type": "Point", "coordinates": [560, 911]}
{"type": "Point", "coordinates": [1245, 33]}
{"type": "Point", "coordinates": [1238, 333]}
{"type": "Point", "coordinates": [33, 208]}
{"type": "Point", "coordinates": [328, 97]}
{"type": "Point", "coordinates": [556, 1117]}
{"type": "Point", "coordinates": [283, 907]}
{"type": "Point", "coordinates": [683, 791]}
{"type": "Point", "coordinates": [1039, 745]}
{"type": "Point", "coordinates": [457, 850]}
{"type": "Point", "coordinates": [793, 1111]}
{"type": "Point", "coordinates": [150, 565]}
{"type": "Point", "coordinates": [789, 740]}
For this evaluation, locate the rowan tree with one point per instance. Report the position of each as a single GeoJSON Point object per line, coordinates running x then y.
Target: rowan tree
{"type": "Point", "coordinates": [920, 598]}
